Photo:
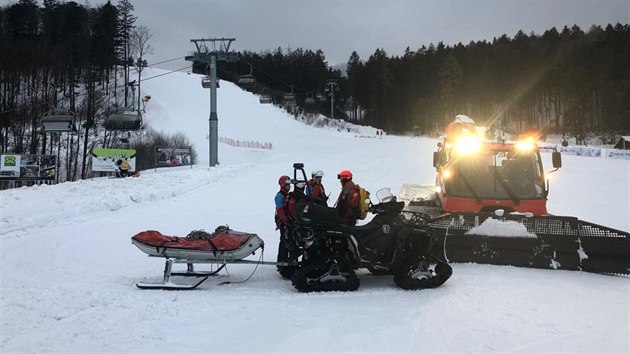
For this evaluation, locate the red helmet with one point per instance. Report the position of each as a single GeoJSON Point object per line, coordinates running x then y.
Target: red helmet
{"type": "Point", "coordinates": [345, 175]}
{"type": "Point", "coordinates": [284, 180]}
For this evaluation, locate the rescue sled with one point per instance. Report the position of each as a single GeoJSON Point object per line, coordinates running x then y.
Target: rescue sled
{"type": "Point", "coordinates": [220, 247]}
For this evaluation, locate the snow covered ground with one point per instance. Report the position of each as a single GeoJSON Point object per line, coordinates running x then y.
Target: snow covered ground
{"type": "Point", "coordinates": [68, 269]}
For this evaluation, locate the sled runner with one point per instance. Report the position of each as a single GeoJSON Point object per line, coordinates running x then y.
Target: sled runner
{"type": "Point", "coordinates": [220, 247]}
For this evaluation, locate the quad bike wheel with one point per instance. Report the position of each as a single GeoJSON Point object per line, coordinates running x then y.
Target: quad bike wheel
{"type": "Point", "coordinates": [329, 276]}
{"type": "Point", "coordinates": [422, 273]}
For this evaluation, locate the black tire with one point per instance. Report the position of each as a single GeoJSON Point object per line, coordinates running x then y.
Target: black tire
{"type": "Point", "coordinates": [330, 276]}
{"type": "Point", "coordinates": [284, 256]}
{"type": "Point", "coordinates": [434, 273]}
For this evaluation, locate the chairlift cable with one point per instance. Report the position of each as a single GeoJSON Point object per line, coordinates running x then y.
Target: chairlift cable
{"type": "Point", "coordinates": [166, 61]}
{"type": "Point", "coordinates": [166, 73]}
{"type": "Point", "coordinates": [115, 87]}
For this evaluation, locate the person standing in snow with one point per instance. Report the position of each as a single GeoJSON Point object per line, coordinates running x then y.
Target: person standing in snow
{"type": "Point", "coordinates": [348, 202]}
{"type": "Point", "coordinates": [281, 216]}
{"type": "Point", "coordinates": [297, 196]}
{"type": "Point", "coordinates": [315, 189]}
{"type": "Point", "coordinates": [282, 219]}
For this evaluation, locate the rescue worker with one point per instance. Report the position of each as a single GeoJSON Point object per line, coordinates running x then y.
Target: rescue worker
{"type": "Point", "coordinates": [298, 195]}
{"type": "Point", "coordinates": [282, 219]}
{"type": "Point", "coordinates": [315, 188]}
{"type": "Point", "coordinates": [288, 251]}
{"type": "Point", "coordinates": [348, 202]}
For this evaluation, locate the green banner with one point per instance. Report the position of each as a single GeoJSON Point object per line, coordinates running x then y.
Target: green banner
{"type": "Point", "coordinates": [101, 152]}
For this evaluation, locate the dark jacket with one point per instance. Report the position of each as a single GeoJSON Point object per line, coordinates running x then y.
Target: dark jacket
{"type": "Point", "coordinates": [294, 198]}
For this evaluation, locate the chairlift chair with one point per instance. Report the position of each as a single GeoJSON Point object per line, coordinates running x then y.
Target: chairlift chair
{"type": "Point", "coordinates": [290, 103]}
{"type": "Point", "coordinates": [124, 120]}
{"type": "Point", "coordinates": [59, 120]}
{"type": "Point", "coordinates": [321, 97]}
{"type": "Point", "coordinates": [309, 99]}
{"type": "Point", "coordinates": [265, 99]}
{"type": "Point", "coordinates": [247, 80]}
{"type": "Point", "coordinates": [289, 100]}
{"type": "Point", "coordinates": [206, 82]}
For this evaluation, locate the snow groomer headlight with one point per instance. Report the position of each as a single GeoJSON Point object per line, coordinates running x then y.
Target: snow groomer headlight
{"type": "Point", "coordinates": [467, 145]}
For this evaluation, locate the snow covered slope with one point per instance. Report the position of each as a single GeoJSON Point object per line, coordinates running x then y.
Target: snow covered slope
{"type": "Point", "coordinates": [68, 269]}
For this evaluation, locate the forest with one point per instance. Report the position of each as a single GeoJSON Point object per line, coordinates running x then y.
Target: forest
{"type": "Point", "coordinates": [89, 60]}
{"type": "Point", "coordinates": [567, 81]}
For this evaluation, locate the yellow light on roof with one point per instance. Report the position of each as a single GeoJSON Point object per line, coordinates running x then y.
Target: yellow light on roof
{"type": "Point", "coordinates": [526, 145]}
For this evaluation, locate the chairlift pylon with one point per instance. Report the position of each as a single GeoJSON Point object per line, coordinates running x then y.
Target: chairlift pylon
{"type": "Point", "coordinates": [125, 119]}
{"type": "Point", "coordinates": [59, 120]}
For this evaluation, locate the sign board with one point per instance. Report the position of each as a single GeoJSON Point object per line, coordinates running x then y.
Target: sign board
{"type": "Point", "coordinates": [27, 167]}
{"type": "Point", "coordinates": [110, 160]}
{"type": "Point", "coordinates": [616, 154]}
{"type": "Point", "coordinates": [172, 156]}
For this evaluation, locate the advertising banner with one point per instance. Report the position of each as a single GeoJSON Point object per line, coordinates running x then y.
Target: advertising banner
{"type": "Point", "coordinates": [111, 160]}
{"type": "Point", "coordinates": [172, 156]}
{"type": "Point", "coordinates": [581, 151]}
{"type": "Point", "coordinates": [616, 154]}
{"type": "Point", "coordinates": [27, 167]}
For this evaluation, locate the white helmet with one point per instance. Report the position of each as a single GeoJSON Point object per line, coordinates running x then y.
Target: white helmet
{"type": "Point", "coordinates": [317, 173]}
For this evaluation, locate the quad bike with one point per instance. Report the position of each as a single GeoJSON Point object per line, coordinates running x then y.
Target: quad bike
{"type": "Point", "coordinates": [326, 250]}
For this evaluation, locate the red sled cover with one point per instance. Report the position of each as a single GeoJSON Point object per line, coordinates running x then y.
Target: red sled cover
{"type": "Point", "coordinates": [222, 244]}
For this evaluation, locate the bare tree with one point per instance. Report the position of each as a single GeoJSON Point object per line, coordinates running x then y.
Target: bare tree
{"type": "Point", "coordinates": [140, 46]}
{"type": "Point", "coordinates": [140, 37]}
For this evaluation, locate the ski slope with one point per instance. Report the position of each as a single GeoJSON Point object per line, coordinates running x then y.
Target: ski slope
{"type": "Point", "coordinates": [68, 268]}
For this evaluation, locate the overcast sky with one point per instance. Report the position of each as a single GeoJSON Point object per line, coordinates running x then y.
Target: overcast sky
{"type": "Point", "coordinates": [340, 27]}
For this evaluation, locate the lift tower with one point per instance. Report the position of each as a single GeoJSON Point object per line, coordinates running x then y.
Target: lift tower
{"type": "Point", "coordinates": [208, 52]}
{"type": "Point", "coordinates": [331, 88]}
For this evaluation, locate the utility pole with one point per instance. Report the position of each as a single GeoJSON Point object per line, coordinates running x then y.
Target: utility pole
{"type": "Point", "coordinates": [208, 52]}
{"type": "Point", "coordinates": [331, 88]}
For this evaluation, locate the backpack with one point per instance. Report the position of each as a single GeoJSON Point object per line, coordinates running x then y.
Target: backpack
{"type": "Point", "coordinates": [364, 202]}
